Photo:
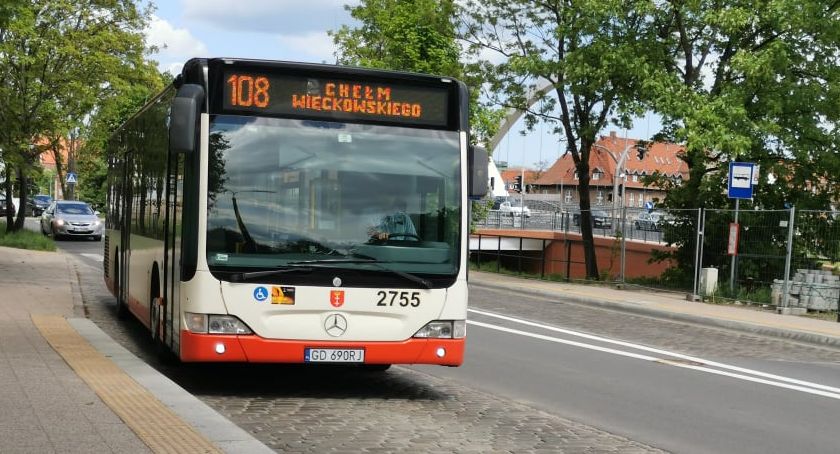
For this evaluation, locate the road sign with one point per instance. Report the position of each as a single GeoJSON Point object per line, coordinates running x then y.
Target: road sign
{"type": "Point", "coordinates": [71, 178]}
{"type": "Point", "coordinates": [649, 206]}
{"type": "Point", "coordinates": [740, 180]}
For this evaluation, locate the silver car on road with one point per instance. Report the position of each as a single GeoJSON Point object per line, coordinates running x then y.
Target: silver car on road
{"type": "Point", "coordinates": [68, 218]}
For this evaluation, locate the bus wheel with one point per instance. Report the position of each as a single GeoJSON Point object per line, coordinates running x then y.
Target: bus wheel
{"type": "Point", "coordinates": [156, 323]}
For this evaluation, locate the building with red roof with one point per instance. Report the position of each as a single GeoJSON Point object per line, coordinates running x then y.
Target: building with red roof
{"type": "Point", "coordinates": [562, 178]}
{"type": "Point", "coordinates": [509, 176]}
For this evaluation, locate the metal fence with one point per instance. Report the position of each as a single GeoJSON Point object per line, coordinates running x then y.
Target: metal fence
{"type": "Point", "coordinates": [783, 258]}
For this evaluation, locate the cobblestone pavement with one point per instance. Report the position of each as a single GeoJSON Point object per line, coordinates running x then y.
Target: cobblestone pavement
{"type": "Point", "coordinates": [335, 409]}
{"type": "Point", "coordinates": [677, 336]}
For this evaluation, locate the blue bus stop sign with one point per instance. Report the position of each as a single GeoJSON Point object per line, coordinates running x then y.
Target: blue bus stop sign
{"type": "Point", "coordinates": [740, 180]}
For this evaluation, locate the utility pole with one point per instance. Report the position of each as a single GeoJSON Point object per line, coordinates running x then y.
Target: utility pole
{"type": "Point", "coordinates": [732, 260]}
{"type": "Point", "coordinates": [522, 199]}
{"type": "Point", "coordinates": [619, 170]}
{"type": "Point", "coordinates": [71, 163]}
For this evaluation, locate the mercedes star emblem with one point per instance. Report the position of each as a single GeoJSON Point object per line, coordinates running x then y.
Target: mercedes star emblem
{"type": "Point", "coordinates": [336, 281]}
{"type": "Point", "coordinates": [335, 324]}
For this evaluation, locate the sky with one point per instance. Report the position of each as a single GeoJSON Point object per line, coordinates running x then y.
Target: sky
{"type": "Point", "coordinates": [295, 30]}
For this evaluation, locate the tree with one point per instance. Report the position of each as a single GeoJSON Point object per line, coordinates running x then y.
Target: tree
{"type": "Point", "coordinates": [127, 96]}
{"type": "Point", "coordinates": [595, 56]}
{"type": "Point", "coordinates": [752, 80]}
{"type": "Point", "coordinates": [57, 61]}
{"type": "Point", "coordinates": [756, 81]}
{"type": "Point", "coordinates": [418, 36]}
{"type": "Point", "coordinates": [412, 35]}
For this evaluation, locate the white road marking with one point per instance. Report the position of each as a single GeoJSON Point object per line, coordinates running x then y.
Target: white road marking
{"type": "Point", "coordinates": [94, 257]}
{"type": "Point", "coordinates": [768, 379]}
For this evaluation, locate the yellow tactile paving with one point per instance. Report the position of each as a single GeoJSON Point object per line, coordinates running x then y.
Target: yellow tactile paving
{"type": "Point", "coordinates": [153, 422]}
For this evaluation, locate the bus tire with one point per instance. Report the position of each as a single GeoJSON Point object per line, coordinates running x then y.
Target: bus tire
{"type": "Point", "coordinates": [157, 323]}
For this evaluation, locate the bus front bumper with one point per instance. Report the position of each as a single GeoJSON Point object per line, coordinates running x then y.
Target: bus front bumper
{"type": "Point", "coordinates": [255, 349]}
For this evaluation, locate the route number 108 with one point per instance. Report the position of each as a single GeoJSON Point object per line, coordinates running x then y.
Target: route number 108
{"type": "Point", "coordinates": [247, 91]}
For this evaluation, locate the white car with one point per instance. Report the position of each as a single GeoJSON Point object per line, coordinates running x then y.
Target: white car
{"type": "Point", "coordinates": [67, 218]}
{"type": "Point", "coordinates": [514, 210]}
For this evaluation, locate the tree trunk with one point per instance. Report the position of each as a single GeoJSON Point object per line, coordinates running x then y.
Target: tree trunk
{"type": "Point", "coordinates": [7, 189]}
{"type": "Point", "coordinates": [586, 225]}
{"type": "Point", "coordinates": [71, 166]}
{"type": "Point", "coordinates": [21, 214]}
{"type": "Point", "coordinates": [59, 167]}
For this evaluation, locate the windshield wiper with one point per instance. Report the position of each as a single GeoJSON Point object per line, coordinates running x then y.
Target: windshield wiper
{"type": "Point", "coordinates": [362, 258]}
{"type": "Point", "coordinates": [246, 276]}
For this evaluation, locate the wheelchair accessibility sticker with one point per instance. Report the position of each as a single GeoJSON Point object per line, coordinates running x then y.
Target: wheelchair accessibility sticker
{"type": "Point", "coordinates": [261, 294]}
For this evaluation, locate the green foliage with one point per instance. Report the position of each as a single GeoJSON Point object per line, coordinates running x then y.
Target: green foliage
{"type": "Point", "coordinates": [755, 81]}
{"type": "Point", "coordinates": [417, 36]}
{"type": "Point", "coordinates": [126, 98]}
{"type": "Point", "coordinates": [479, 210]}
{"type": "Point", "coordinates": [58, 61]}
{"type": "Point", "coordinates": [575, 65]}
{"type": "Point", "coordinates": [44, 180]}
{"type": "Point", "coordinates": [413, 35]}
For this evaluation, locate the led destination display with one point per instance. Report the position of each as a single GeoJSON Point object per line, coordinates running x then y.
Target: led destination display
{"type": "Point", "coordinates": [257, 92]}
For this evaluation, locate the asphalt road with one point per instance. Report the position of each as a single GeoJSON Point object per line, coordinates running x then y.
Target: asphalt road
{"type": "Point", "coordinates": [652, 395]}
{"type": "Point", "coordinates": [668, 385]}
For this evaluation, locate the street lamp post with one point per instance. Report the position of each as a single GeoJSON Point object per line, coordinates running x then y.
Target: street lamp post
{"type": "Point", "coordinates": [619, 170]}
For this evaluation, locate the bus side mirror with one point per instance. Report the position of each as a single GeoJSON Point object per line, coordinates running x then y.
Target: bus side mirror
{"type": "Point", "coordinates": [183, 118]}
{"type": "Point", "coordinates": [477, 179]}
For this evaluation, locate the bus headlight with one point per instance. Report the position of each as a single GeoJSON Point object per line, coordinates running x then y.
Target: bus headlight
{"type": "Point", "coordinates": [443, 329]}
{"type": "Point", "coordinates": [226, 324]}
{"type": "Point", "coordinates": [215, 324]}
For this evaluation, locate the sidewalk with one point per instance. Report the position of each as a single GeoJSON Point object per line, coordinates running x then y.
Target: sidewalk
{"type": "Point", "coordinates": [671, 306]}
{"type": "Point", "coordinates": [67, 387]}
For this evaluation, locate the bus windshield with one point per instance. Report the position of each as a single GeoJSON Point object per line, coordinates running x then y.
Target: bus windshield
{"type": "Point", "coordinates": [283, 191]}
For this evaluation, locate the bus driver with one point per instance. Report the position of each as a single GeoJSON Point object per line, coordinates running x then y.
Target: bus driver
{"type": "Point", "coordinates": [395, 224]}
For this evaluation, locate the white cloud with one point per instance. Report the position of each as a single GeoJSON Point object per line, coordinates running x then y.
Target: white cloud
{"type": "Point", "coordinates": [282, 17]}
{"type": "Point", "coordinates": [175, 45]}
{"type": "Point", "coordinates": [317, 45]}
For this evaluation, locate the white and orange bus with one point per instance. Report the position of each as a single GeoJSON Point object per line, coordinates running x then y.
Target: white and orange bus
{"type": "Point", "coordinates": [243, 205]}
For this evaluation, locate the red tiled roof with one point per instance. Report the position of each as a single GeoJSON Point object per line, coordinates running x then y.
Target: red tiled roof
{"type": "Point", "coordinates": [662, 157]}
{"type": "Point", "coordinates": [508, 175]}
{"type": "Point", "coordinates": [47, 158]}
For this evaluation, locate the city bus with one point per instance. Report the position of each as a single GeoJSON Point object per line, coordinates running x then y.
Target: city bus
{"type": "Point", "coordinates": [245, 205]}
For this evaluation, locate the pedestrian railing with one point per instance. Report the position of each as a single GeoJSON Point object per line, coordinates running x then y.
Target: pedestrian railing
{"type": "Point", "coordinates": [754, 256]}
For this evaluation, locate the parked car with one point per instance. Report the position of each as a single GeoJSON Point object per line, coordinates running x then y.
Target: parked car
{"type": "Point", "coordinates": [652, 221]}
{"type": "Point", "coordinates": [41, 203]}
{"type": "Point", "coordinates": [514, 210]}
{"type": "Point", "coordinates": [600, 219]}
{"type": "Point", "coordinates": [30, 206]}
{"type": "Point", "coordinates": [67, 218]}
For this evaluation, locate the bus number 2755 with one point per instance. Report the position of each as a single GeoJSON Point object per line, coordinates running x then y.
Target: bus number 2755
{"type": "Point", "coordinates": [404, 299]}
